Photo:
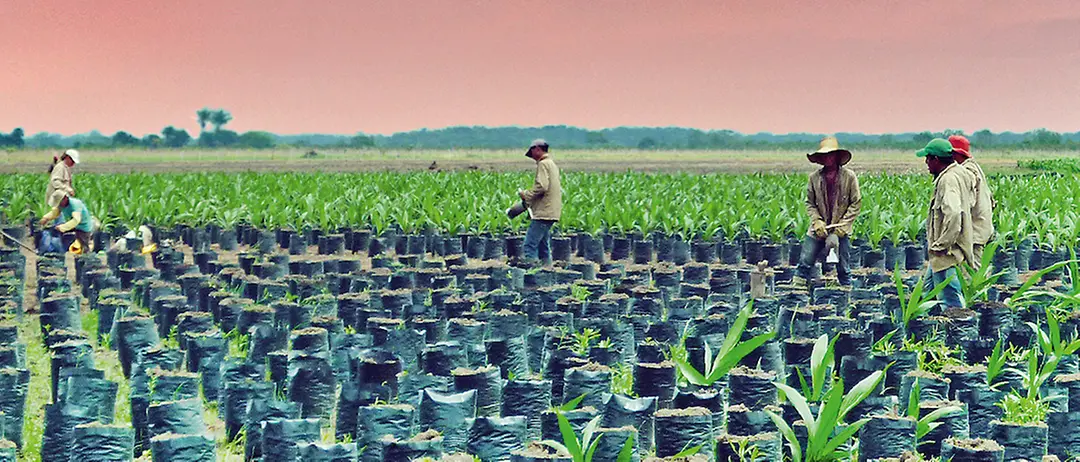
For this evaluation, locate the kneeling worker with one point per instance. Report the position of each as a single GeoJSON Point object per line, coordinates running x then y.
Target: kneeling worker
{"type": "Point", "coordinates": [76, 217]}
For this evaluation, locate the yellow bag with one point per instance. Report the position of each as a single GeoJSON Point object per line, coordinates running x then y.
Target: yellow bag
{"type": "Point", "coordinates": [76, 248]}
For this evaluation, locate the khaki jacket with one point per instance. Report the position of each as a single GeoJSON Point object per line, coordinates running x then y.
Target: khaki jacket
{"type": "Point", "coordinates": [545, 198]}
{"type": "Point", "coordinates": [59, 180]}
{"type": "Point", "coordinates": [982, 212]}
{"type": "Point", "coordinates": [948, 224]}
{"type": "Point", "coordinates": [848, 200]}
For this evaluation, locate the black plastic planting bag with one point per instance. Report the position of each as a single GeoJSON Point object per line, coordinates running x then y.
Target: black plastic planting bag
{"type": "Point", "coordinates": [886, 436]}
{"type": "Point", "coordinates": [74, 354]}
{"type": "Point", "coordinates": [591, 380]}
{"type": "Point", "coordinates": [488, 386]}
{"type": "Point", "coordinates": [60, 422]}
{"type": "Point", "coordinates": [280, 438]}
{"type": "Point", "coordinates": [767, 445]}
{"type": "Point", "coordinates": [445, 413]}
{"type": "Point", "coordinates": [95, 441]}
{"type": "Point", "coordinates": [173, 386]}
{"type": "Point", "coordinates": [750, 388]}
{"type": "Point", "coordinates": [183, 417]}
{"type": "Point", "coordinates": [410, 385]}
{"type": "Point", "coordinates": [135, 335]}
{"type": "Point", "coordinates": [235, 399]}
{"type": "Point", "coordinates": [1020, 441]}
{"type": "Point", "coordinates": [375, 422]}
{"type": "Point", "coordinates": [494, 438]}
{"type": "Point", "coordinates": [205, 352]}
{"type": "Point", "coordinates": [260, 411]}
{"type": "Point", "coordinates": [655, 380]}
{"type": "Point", "coordinates": [443, 357]}
{"type": "Point", "coordinates": [612, 441]}
{"type": "Point", "coordinates": [315, 452]}
{"type": "Point", "coordinates": [528, 398]}
{"type": "Point", "coordinates": [681, 429]}
{"type": "Point", "coordinates": [713, 399]}
{"type": "Point", "coordinates": [621, 411]}
{"type": "Point", "coordinates": [183, 448]}
{"type": "Point", "coordinates": [578, 419]}
{"type": "Point", "coordinates": [312, 385]}
{"type": "Point", "coordinates": [510, 355]}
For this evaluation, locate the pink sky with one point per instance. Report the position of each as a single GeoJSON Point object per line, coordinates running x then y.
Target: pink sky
{"type": "Point", "coordinates": [343, 66]}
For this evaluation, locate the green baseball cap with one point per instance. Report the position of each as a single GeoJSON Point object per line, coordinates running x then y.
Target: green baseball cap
{"type": "Point", "coordinates": [937, 147]}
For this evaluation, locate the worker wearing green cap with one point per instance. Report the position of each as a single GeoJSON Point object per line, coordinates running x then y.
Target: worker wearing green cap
{"type": "Point", "coordinates": [948, 225]}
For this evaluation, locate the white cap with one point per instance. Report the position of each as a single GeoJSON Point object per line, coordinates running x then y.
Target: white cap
{"type": "Point", "coordinates": [73, 154]}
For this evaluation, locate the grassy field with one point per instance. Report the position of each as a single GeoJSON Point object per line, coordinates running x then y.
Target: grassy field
{"type": "Point", "coordinates": [292, 159]}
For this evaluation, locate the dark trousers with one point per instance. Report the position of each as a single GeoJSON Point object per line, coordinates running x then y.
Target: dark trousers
{"type": "Point", "coordinates": [538, 240]}
{"type": "Point", "coordinates": [813, 250]}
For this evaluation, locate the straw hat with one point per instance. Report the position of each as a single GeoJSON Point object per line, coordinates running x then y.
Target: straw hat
{"type": "Point", "coordinates": [828, 145]}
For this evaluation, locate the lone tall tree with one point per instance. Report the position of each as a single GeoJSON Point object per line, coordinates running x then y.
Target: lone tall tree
{"type": "Point", "coordinates": [204, 117]}
{"type": "Point", "coordinates": [219, 118]}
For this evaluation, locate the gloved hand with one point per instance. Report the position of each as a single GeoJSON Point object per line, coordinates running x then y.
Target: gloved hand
{"type": "Point", "coordinates": [840, 232]}
{"type": "Point", "coordinates": [819, 229]}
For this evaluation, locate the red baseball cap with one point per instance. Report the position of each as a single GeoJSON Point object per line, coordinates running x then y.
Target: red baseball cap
{"type": "Point", "coordinates": [961, 145]}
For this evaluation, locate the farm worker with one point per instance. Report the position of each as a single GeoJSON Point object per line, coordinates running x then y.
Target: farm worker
{"type": "Point", "coordinates": [833, 202]}
{"type": "Point", "coordinates": [544, 201]}
{"type": "Point", "coordinates": [76, 217]}
{"type": "Point", "coordinates": [982, 212]}
{"type": "Point", "coordinates": [60, 176]}
{"type": "Point", "coordinates": [948, 224]}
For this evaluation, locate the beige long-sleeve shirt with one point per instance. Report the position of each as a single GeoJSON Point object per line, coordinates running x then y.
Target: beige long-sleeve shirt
{"type": "Point", "coordinates": [59, 180]}
{"type": "Point", "coordinates": [545, 198]}
{"type": "Point", "coordinates": [982, 211]}
{"type": "Point", "coordinates": [948, 224]}
{"type": "Point", "coordinates": [848, 200]}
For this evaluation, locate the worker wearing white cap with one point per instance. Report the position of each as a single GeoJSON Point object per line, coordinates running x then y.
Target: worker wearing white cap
{"type": "Point", "coordinates": [544, 201]}
{"type": "Point", "coordinates": [60, 176]}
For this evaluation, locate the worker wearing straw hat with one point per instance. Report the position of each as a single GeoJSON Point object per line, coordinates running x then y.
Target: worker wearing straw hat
{"type": "Point", "coordinates": [544, 201]}
{"type": "Point", "coordinates": [982, 211]}
{"type": "Point", "coordinates": [833, 201]}
{"type": "Point", "coordinates": [948, 223]}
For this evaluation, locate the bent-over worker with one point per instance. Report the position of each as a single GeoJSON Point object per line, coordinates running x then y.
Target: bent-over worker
{"type": "Point", "coordinates": [75, 216]}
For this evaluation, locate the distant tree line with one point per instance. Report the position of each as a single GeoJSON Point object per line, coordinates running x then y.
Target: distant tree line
{"type": "Point", "coordinates": [560, 136]}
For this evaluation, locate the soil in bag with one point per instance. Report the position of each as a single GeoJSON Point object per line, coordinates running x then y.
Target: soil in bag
{"type": "Point", "coordinates": [537, 452]}
{"type": "Point", "coordinates": [972, 450]}
{"type": "Point", "coordinates": [183, 448]}
{"type": "Point", "coordinates": [494, 438]}
{"type": "Point", "coordinates": [426, 444]}
{"type": "Point", "coordinates": [96, 441]}
{"type": "Point", "coordinates": [445, 413]}
{"type": "Point", "coordinates": [765, 446]}
{"type": "Point", "coordinates": [680, 429]}
{"type": "Point", "coordinates": [280, 438]}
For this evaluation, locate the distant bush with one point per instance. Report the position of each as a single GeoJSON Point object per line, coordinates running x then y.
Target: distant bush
{"type": "Point", "coordinates": [1068, 165]}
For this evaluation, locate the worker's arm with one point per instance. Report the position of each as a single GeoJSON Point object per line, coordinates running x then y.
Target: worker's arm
{"type": "Point", "coordinates": [540, 186]}
{"type": "Point", "coordinates": [811, 202]}
{"type": "Point", "coordinates": [952, 215]}
{"type": "Point", "coordinates": [854, 206]}
{"type": "Point", "coordinates": [76, 218]}
{"type": "Point", "coordinates": [55, 212]}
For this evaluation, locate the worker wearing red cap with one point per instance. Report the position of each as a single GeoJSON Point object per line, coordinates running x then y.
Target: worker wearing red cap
{"type": "Point", "coordinates": [982, 212]}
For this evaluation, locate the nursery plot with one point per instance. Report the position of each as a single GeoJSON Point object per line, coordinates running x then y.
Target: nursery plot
{"type": "Point", "coordinates": [377, 317]}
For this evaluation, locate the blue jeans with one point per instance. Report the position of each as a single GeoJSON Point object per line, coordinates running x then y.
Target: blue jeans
{"type": "Point", "coordinates": [538, 240]}
{"type": "Point", "coordinates": [813, 249]}
{"type": "Point", "coordinates": [952, 295]}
